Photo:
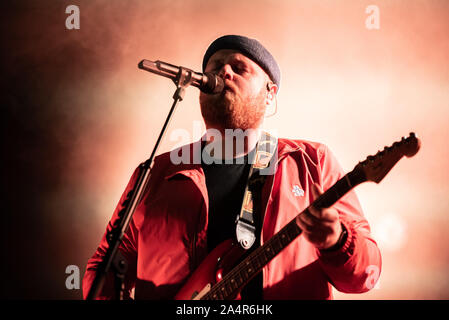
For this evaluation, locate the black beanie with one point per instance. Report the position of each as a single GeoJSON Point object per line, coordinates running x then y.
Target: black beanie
{"type": "Point", "coordinates": [250, 48]}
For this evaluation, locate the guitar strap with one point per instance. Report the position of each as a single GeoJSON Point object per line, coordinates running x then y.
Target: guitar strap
{"type": "Point", "coordinates": [263, 163]}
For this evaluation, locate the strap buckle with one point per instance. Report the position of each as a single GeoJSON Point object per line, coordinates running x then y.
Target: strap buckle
{"type": "Point", "coordinates": [245, 223]}
{"type": "Point", "coordinates": [245, 234]}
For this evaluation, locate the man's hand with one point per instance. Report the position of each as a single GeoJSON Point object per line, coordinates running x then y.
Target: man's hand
{"type": "Point", "coordinates": [321, 227]}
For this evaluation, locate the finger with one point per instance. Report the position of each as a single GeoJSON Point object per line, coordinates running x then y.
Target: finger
{"type": "Point", "coordinates": [326, 214]}
{"type": "Point", "coordinates": [308, 217]}
{"type": "Point", "coordinates": [304, 221]}
{"type": "Point", "coordinates": [306, 228]}
{"type": "Point", "coordinates": [317, 227]}
{"type": "Point", "coordinates": [312, 222]}
{"type": "Point", "coordinates": [315, 212]}
{"type": "Point", "coordinates": [316, 190]}
{"type": "Point", "coordinates": [315, 234]}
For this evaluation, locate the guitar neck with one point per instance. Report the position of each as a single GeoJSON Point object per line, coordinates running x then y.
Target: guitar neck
{"type": "Point", "coordinates": [236, 279]}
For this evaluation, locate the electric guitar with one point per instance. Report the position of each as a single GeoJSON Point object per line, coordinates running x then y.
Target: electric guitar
{"type": "Point", "coordinates": [217, 279]}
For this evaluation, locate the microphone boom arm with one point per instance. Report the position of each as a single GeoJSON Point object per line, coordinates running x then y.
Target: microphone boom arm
{"type": "Point", "coordinates": [206, 82]}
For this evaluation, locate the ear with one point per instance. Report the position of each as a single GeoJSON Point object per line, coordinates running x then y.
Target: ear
{"type": "Point", "coordinates": [271, 93]}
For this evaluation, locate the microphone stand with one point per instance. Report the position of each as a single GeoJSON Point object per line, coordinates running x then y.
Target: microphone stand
{"type": "Point", "coordinates": [113, 259]}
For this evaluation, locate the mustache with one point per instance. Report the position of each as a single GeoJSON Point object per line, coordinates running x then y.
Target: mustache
{"type": "Point", "coordinates": [229, 86]}
{"type": "Point", "coordinates": [233, 111]}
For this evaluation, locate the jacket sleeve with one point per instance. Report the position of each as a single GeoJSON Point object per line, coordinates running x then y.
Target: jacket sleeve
{"type": "Point", "coordinates": [128, 249]}
{"type": "Point", "coordinates": [355, 266]}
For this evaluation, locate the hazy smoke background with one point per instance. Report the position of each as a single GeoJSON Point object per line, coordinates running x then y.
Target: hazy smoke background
{"type": "Point", "coordinates": [78, 116]}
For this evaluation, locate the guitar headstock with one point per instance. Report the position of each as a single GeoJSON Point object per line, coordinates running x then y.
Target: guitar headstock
{"type": "Point", "coordinates": [376, 167]}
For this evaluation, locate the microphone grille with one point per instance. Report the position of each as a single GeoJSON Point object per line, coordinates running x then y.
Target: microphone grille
{"type": "Point", "coordinates": [213, 85]}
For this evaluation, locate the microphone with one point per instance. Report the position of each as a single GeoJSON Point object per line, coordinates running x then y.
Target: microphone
{"type": "Point", "coordinates": [207, 82]}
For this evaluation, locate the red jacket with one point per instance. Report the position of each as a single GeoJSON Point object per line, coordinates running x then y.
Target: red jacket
{"type": "Point", "coordinates": [166, 239]}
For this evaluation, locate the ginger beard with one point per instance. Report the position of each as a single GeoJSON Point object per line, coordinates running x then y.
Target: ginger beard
{"type": "Point", "coordinates": [229, 110]}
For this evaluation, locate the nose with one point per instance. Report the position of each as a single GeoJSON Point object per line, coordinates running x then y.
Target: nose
{"type": "Point", "coordinates": [226, 72]}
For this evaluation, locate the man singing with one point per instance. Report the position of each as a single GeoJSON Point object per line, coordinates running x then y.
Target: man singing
{"type": "Point", "coordinates": [189, 208]}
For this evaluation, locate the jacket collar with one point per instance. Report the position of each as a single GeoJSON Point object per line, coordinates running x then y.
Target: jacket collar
{"type": "Point", "coordinates": [190, 167]}
{"type": "Point", "coordinates": [193, 167]}
{"type": "Point", "coordinates": [287, 146]}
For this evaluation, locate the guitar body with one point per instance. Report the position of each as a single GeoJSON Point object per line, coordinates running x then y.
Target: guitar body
{"type": "Point", "coordinates": [220, 261]}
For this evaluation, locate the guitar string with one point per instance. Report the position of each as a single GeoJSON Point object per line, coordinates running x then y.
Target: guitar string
{"type": "Point", "coordinates": [251, 259]}
{"type": "Point", "coordinates": [256, 257]}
